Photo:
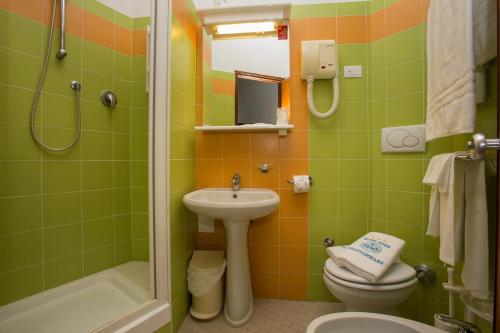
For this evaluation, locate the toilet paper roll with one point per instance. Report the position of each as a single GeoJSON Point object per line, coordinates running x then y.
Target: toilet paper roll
{"type": "Point", "coordinates": [301, 184]}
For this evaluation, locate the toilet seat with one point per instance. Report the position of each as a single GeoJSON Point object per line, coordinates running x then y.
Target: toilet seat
{"type": "Point", "coordinates": [399, 276]}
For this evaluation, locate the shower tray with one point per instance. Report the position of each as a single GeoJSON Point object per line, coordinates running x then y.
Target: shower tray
{"type": "Point", "coordinates": [80, 306]}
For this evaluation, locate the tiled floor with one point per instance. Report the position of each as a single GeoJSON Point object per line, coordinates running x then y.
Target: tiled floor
{"type": "Point", "coordinates": [269, 316]}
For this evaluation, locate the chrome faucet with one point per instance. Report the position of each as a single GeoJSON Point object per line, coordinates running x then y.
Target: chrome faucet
{"type": "Point", "coordinates": [463, 326]}
{"type": "Point", "coordinates": [236, 181]}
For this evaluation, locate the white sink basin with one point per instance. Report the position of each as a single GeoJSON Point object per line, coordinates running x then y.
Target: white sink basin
{"type": "Point", "coordinates": [235, 209]}
{"type": "Point", "coordinates": [224, 203]}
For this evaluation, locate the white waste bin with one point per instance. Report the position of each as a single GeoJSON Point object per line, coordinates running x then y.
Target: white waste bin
{"type": "Point", "coordinates": [206, 284]}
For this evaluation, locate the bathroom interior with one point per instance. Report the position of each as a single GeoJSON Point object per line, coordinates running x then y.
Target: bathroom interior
{"type": "Point", "coordinates": [248, 166]}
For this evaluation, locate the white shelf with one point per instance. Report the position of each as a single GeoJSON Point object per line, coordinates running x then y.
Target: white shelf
{"type": "Point", "coordinates": [281, 129]}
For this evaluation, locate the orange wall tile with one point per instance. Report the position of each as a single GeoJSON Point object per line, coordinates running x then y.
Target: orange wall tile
{"type": "Point", "coordinates": [82, 23]}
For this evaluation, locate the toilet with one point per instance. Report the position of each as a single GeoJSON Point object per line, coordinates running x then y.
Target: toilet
{"type": "Point", "coordinates": [361, 295]}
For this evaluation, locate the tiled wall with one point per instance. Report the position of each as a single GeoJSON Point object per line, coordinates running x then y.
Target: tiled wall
{"type": "Point", "coordinates": [339, 147]}
{"type": "Point", "coordinates": [67, 215]}
{"type": "Point", "coordinates": [357, 188]}
{"type": "Point", "coordinates": [400, 200]}
{"type": "Point", "coordinates": [222, 106]}
{"type": "Point", "coordinates": [182, 152]}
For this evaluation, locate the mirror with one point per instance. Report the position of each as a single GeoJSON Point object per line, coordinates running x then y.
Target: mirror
{"type": "Point", "coordinates": [244, 79]}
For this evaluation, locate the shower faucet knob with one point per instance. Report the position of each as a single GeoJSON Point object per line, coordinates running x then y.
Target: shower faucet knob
{"type": "Point", "coordinates": [109, 99]}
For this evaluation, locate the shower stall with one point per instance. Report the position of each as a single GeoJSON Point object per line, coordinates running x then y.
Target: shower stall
{"type": "Point", "coordinates": [83, 230]}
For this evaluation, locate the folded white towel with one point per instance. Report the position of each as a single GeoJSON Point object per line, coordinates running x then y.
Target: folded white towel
{"type": "Point", "coordinates": [475, 274]}
{"type": "Point", "coordinates": [485, 31]}
{"type": "Point", "coordinates": [451, 107]}
{"type": "Point", "coordinates": [370, 256]}
{"type": "Point", "coordinates": [445, 175]}
{"type": "Point", "coordinates": [458, 214]}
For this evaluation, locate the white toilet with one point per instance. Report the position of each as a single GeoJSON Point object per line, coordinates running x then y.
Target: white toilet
{"type": "Point", "coordinates": [361, 295]}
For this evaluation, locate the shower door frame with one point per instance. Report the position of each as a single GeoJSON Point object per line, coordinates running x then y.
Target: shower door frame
{"type": "Point", "coordinates": [157, 312]}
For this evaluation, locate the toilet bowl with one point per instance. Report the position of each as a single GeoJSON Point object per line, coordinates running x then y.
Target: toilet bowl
{"type": "Point", "coordinates": [361, 295]}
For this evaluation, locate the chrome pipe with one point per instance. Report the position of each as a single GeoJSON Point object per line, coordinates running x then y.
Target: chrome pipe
{"type": "Point", "coordinates": [62, 53]}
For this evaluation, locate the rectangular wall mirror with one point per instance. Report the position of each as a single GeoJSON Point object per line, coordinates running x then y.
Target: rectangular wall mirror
{"type": "Point", "coordinates": [244, 79]}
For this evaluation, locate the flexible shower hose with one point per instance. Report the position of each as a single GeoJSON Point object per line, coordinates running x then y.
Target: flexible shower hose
{"type": "Point", "coordinates": [74, 85]}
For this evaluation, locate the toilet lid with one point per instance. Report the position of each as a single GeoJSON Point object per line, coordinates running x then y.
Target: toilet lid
{"type": "Point", "coordinates": [399, 272]}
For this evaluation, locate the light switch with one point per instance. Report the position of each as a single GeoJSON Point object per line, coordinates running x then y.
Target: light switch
{"type": "Point", "coordinates": [353, 71]}
{"type": "Point", "coordinates": [403, 139]}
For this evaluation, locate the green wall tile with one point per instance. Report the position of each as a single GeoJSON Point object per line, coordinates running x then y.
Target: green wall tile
{"type": "Point", "coordinates": [323, 145]}
{"type": "Point", "coordinates": [352, 8]}
{"type": "Point", "coordinates": [353, 204]}
{"type": "Point", "coordinates": [122, 228]}
{"type": "Point", "coordinates": [404, 46]}
{"type": "Point", "coordinates": [97, 204]}
{"type": "Point", "coordinates": [323, 203]}
{"type": "Point", "coordinates": [98, 233]}
{"type": "Point", "coordinates": [405, 78]}
{"type": "Point", "coordinates": [140, 249]}
{"type": "Point", "coordinates": [20, 250]}
{"type": "Point", "coordinates": [93, 84]}
{"type": "Point", "coordinates": [121, 173]}
{"type": "Point", "coordinates": [405, 207]}
{"type": "Point", "coordinates": [405, 175]}
{"type": "Point", "coordinates": [325, 173]}
{"type": "Point", "coordinates": [123, 91]}
{"type": "Point", "coordinates": [351, 229]}
{"type": "Point", "coordinates": [20, 33]}
{"type": "Point", "coordinates": [123, 66]}
{"type": "Point", "coordinates": [19, 178]}
{"type": "Point", "coordinates": [97, 145]}
{"type": "Point", "coordinates": [60, 209]}
{"type": "Point", "coordinates": [98, 259]}
{"type": "Point", "coordinates": [96, 116]}
{"type": "Point", "coordinates": [97, 175]}
{"type": "Point", "coordinates": [19, 144]}
{"type": "Point", "coordinates": [15, 104]}
{"type": "Point", "coordinates": [122, 201]}
{"type": "Point", "coordinates": [21, 283]}
{"type": "Point", "coordinates": [139, 200]}
{"type": "Point", "coordinates": [20, 69]}
{"type": "Point", "coordinates": [91, 52]}
{"type": "Point", "coordinates": [322, 10]}
{"type": "Point", "coordinates": [61, 176]}
{"type": "Point", "coordinates": [62, 241]}
{"type": "Point", "coordinates": [63, 270]}
{"type": "Point", "coordinates": [15, 218]}
{"type": "Point", "coordinates": [317, 290]}
{"type": "Point", "coordinates": [123, 252]}
{"type": "Point", "coordinates": [353, 145]}
{"type": "Point", "coordinates": [354, 174]}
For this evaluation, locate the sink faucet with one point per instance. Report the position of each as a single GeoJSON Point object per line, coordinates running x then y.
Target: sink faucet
{"type": "Point", "coordinates": [463, 327]}
{"type": "Point", "coordinates": [236, 181]}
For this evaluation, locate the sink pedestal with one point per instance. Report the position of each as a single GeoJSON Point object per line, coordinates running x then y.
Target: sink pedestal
{"type": "Point", "coordinates": [239, 301]}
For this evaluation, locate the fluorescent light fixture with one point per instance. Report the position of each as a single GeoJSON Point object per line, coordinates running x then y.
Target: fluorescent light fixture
{"type": "Point", "coordinates": [245, 28]}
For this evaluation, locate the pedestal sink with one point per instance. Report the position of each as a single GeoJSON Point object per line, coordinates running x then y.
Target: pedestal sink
{"type": "Point", "coordinates": [235, 209]}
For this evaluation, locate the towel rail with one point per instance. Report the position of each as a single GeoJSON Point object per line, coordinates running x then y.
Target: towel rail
{"type": "Point", "coordinates": [479, 145]}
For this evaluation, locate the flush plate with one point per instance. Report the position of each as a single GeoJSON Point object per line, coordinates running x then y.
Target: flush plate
{"type": "Point", "coordinates": [403, 139]}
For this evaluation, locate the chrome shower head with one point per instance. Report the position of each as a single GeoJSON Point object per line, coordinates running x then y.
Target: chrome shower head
{"type": "Point", "coordinates": [61, 54]}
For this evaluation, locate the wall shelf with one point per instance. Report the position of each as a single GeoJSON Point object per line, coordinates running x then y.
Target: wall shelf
{"type": "Point", "coordinates": [281, 129]}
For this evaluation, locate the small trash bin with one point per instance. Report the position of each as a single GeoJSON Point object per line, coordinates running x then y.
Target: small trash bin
{"type": "Point", "coordinates": [205, 283]}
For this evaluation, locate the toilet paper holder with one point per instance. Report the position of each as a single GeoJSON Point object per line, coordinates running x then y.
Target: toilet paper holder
{"type": "Point", "coordinates": [310, 181]}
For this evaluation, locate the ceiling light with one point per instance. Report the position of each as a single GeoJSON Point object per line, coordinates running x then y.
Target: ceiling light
{"type": "Point", "coordinates": [245, 28]}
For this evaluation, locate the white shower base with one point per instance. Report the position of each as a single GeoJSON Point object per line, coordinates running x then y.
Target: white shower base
{"type": "Point", "coordinates": [80, 306]}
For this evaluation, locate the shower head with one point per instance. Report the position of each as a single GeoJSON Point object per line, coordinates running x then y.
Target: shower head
{"type": "Point", "coordinates": [61, 54]}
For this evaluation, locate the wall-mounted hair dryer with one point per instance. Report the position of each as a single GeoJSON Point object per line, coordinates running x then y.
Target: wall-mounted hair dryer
{"type": "Point", "coordinates": [319, 61]}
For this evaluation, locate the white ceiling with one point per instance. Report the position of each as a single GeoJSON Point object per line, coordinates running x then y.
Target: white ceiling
{"type": "Point", "coordinates": [131, 8]}
{"type": "Point", "coordinates": [210, 4]}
